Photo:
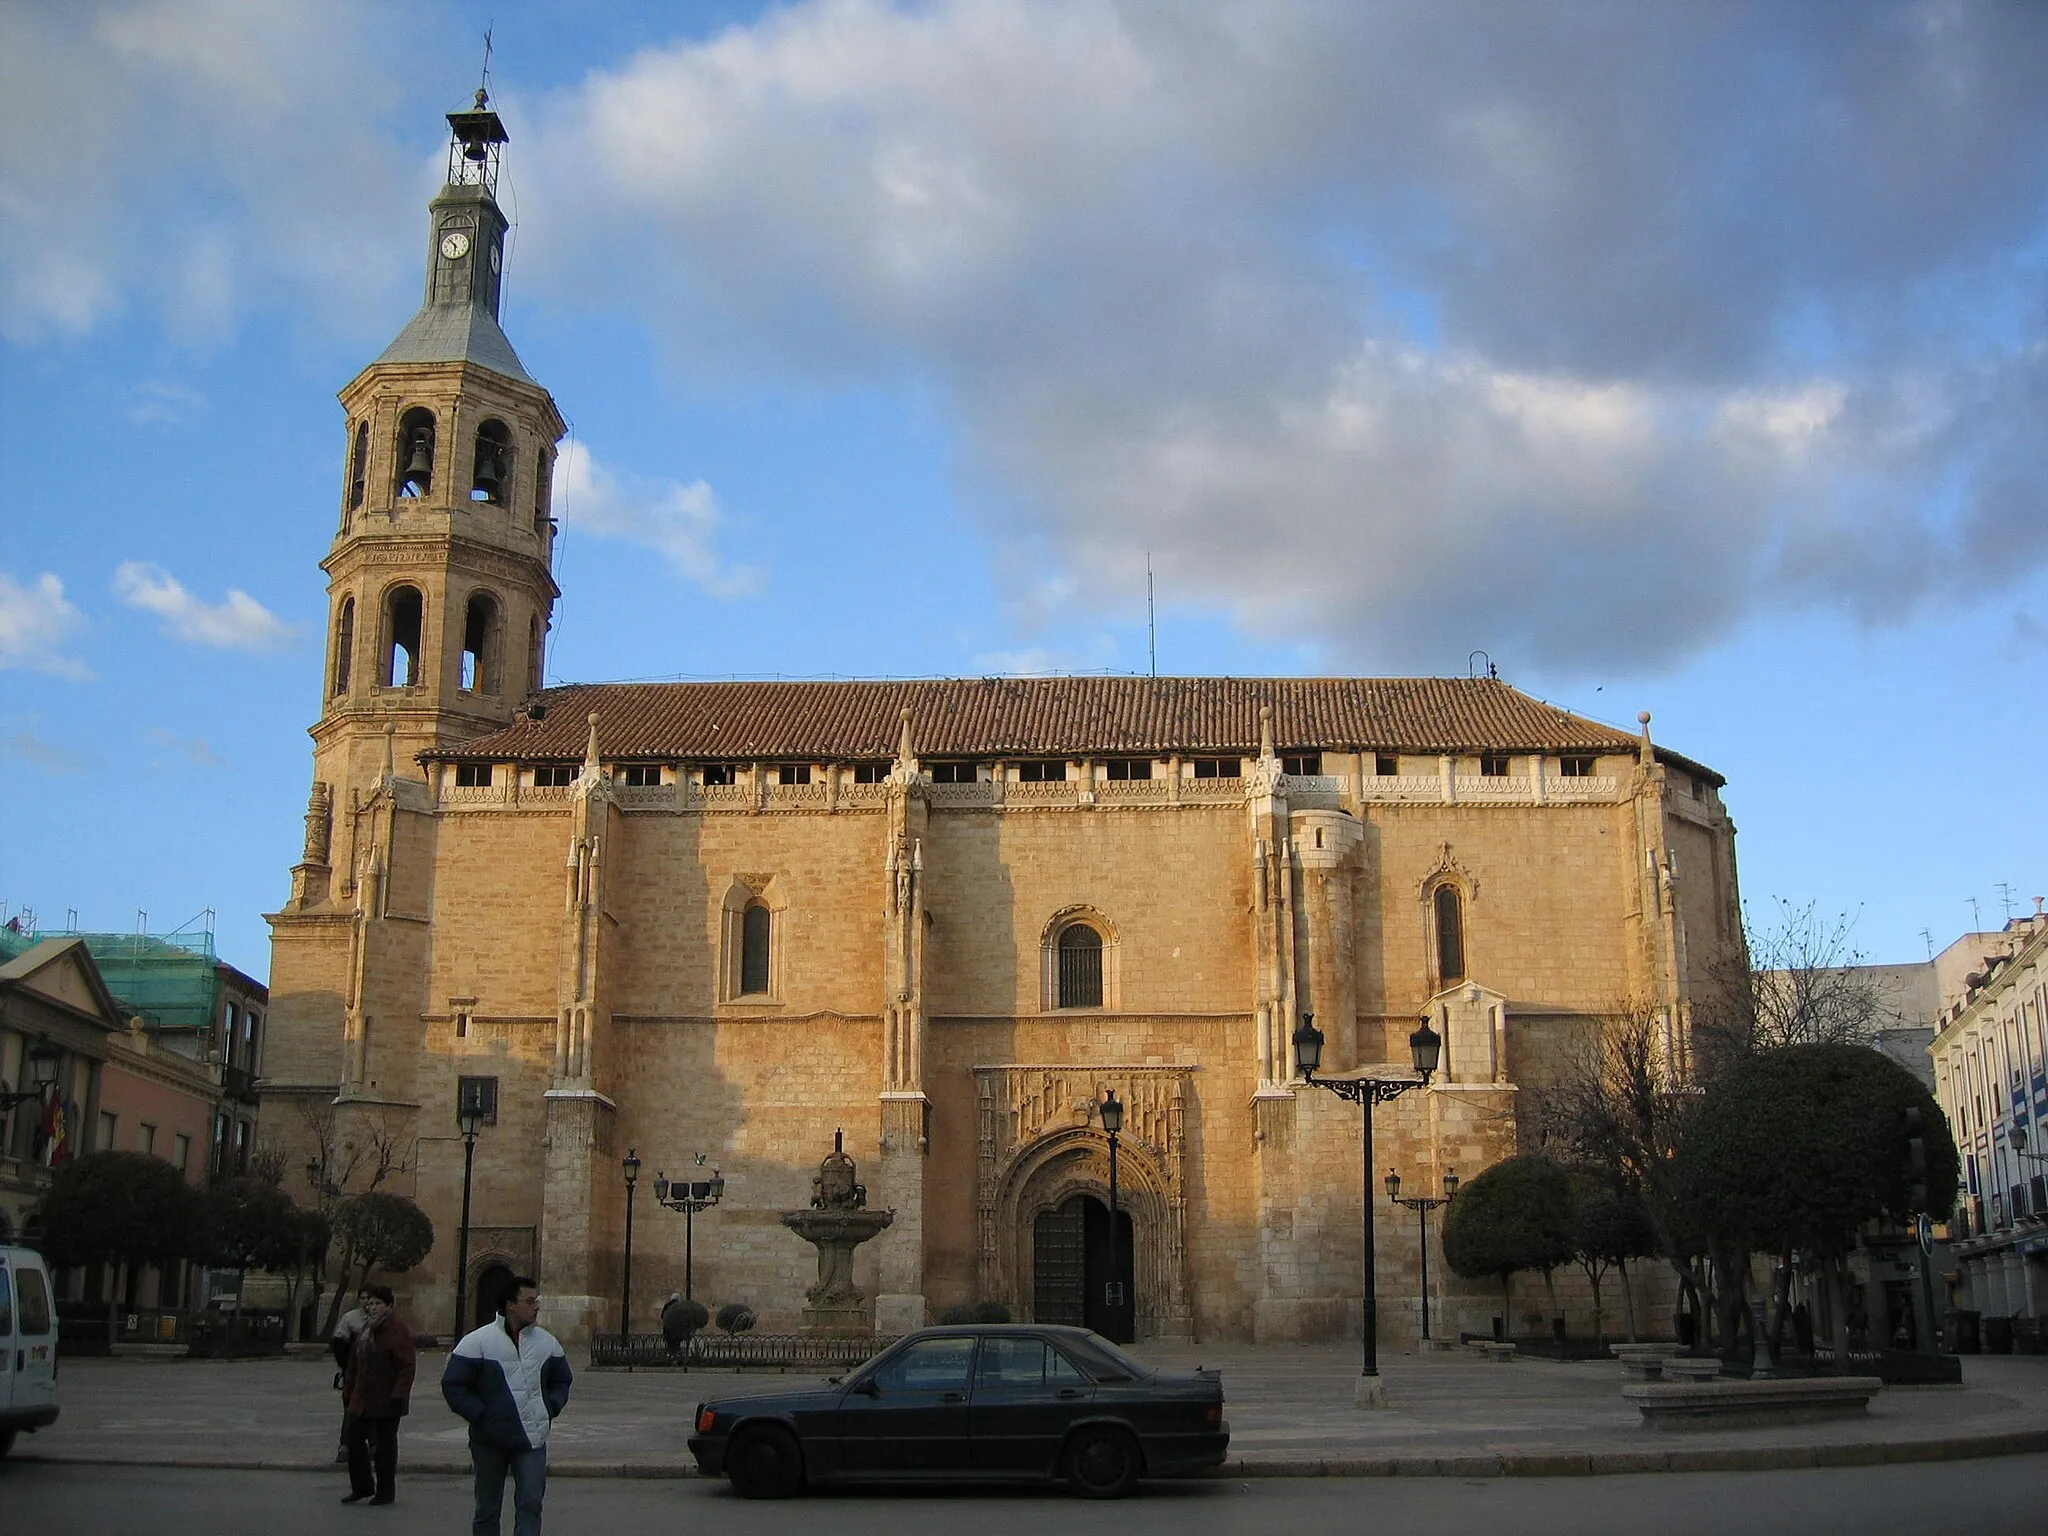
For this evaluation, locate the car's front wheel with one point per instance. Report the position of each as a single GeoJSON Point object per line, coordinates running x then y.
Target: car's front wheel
{"type": "Point", "coordinates": [1102, 1463]}
{"type": "Point", "coordinates": [765, 1463]}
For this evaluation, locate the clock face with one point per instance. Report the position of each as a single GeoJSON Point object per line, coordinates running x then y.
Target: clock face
{"type": "Point", "coordinates": [495, 257]}
{"type": "Point", "coordinates": [455, 245]}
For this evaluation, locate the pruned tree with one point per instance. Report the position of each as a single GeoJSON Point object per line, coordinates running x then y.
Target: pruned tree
{"type": "Point", "coordinates": [1516, 1215]}
{"type": "Point", "coordinates": [1618, 1111]}
{"type": "Point", "coordinates": [1796, 1148]}
{"type": "Point", "coordinates": [241, 1221]}
{"type": "Point", "coordinates": [364, 1153]}
{"type": "Point", "coordinates": [1801, 982]}
{"type": "Point", "coordinates": [380, 1232]}
{"type": "Point", "coordinates": [1610, 1226]}
{"type": "Point", "coordinates": [119, 1208]}
{"type": "Point", "coordinates": [299, 1253]}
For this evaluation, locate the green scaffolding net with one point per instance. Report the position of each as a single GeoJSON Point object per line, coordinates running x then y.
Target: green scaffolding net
{"type": "Point", "coordinates": [170, 979]}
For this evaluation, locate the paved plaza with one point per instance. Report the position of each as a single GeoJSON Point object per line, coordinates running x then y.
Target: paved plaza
{"type": "Point", "coordinates": [1290, 1411]}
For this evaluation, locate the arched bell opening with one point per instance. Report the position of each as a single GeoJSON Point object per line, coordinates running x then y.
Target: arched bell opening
{"type": "Point", "coordinates": [404, 621]}
{"type": "Point", "coordinates": [358, 465]}
{"type": "Point", "coordinates": [344, 646]}
{"type": "Point", "coordinates": [543, 495]}
{"type": "Point", "coordinates": [492, 479]}
{"type": "Point", "coordinates": [480, 645]}
{"type": "Point", "coordinates": [416, 453]}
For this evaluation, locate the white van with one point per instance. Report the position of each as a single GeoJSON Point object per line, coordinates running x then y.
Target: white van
{"type": "Point", "coordinates": [28, 1335]}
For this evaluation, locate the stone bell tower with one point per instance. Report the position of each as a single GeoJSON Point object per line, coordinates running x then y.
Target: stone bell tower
{"type": "Point", "coordinates": [439, 585]}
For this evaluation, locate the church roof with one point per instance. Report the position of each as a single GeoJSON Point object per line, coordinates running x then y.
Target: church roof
{"type": "Point", "coordinates": [456, 333]}
{"type": "Point", "coordinates": [843, 721]}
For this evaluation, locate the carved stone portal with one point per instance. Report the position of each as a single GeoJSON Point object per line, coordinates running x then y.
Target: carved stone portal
{"type": "Point", "coordinates": [1041, 1143]}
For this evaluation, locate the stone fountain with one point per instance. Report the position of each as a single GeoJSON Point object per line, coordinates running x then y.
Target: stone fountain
{"type": "Point", "coordinates": [837, 1223]}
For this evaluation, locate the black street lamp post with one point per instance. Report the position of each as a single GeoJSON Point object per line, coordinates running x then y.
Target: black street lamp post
{"type": "Point", "coordinates": [42, 1060]}
{"type": "Point", "coordinates": [1426, 1045]}
{"type": "Point", "coordinates": [690, 1197]}
{"type": "Point", "coordinates": [1422, 1205]}
{"type": "Point", "coordinates": [1113, 1290]}
{"type": "Point", "coordinates": [631, 1167]}
{"type": "Point", "coordinates": [470, 1114]}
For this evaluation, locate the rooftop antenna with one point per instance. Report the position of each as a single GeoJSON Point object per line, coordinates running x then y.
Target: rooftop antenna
{"type": "Point", "coordinates": [2004, 888]}
{"type": "Point", "coordinates": [1151, 619]}
{"type": "Point", "coordinates": [1927, 938]}
{"type": "Point", "coordinates": [1976, 922]}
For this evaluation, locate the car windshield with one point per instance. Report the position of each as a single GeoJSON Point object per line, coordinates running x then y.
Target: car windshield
{"type": "Point", "coordinates": [1102, 1359]}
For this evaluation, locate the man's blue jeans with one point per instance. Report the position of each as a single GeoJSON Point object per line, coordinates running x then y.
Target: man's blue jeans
{"type": "Point", "coordinates": [529, 1471]}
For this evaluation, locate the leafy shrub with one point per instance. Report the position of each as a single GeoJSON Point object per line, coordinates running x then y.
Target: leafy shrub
{"type": "Point", "coordinates": [680, 1319]}
{"type": "Point", "coordinates": [1516, 1215]}
{"type": "Point", "coordinates": [735, 1317]}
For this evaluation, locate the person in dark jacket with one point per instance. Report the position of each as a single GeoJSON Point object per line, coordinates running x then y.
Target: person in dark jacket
{"type": "Point", "coordinates": [509, 1379]}
{"type": "Point", "coordinates": [377, 1386]}
{"type": "Point", "coordinates": [673, 1328]}
{"type": "Point", "coordinates": [353, 1322]}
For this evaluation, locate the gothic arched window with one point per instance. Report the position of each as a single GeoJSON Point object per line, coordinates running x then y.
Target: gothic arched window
{"type": "Point", "coordinates": [1080, 960]}
{"type": "Point", "coordinates": [344, 644]}
{"type": "Point", "coordinates": [754, 936]}
{"type": "Point", "coordinates": [416, 452]}
{"type": "Point", "coordinates": [1450, 935]}
{"type": "Point", "coordinates": [404, 622]}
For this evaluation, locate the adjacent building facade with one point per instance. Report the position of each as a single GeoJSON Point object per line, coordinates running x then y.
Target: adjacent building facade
{"type": "Point", "coordinates": [944, 917]}
{"type": "Point", "coordinates": [1991, 1077]}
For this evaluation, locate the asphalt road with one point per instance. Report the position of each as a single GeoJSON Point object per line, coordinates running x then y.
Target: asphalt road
{"type": "Point", "coordinates": [1985, 1498]}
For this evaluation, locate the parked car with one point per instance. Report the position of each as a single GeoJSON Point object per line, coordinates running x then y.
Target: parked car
{"type": "Point", "coordinates": [1008, 1402]}
{"type": "Point", "coordinates": [28, 1341]}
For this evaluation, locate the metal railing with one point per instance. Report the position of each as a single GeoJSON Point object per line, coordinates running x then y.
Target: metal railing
{"type": "Point", "coordinates": [739, 1351]}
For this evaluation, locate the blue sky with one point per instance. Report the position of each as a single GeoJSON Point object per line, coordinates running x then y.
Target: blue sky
{"type": "Point", "coordinates": [1686, 358]}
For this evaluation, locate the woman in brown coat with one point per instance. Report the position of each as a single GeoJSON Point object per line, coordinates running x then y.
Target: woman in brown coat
{"type": "Point", "coordinates": [377, 1386]}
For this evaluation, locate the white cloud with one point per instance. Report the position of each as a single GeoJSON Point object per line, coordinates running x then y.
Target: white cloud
{"type": "Point", "coordinates": [238, 622]}
{"type": "Point", "coordinates": [1576, 332]}
{"type": "Point", "coordinates": [1404, 329]}
{"type": "Point", "coordinates": [199, 155]}
{"type": "Point", "coordinates": [186, 752]}
{"type": "Point", "coordinates": [158, 402]}
{"type": "Point", "coordinates": [24, 743]}
{"type": "Point", "coordinates": [680, 521]}
{"type": "Point", "coordinates": [35, 621]}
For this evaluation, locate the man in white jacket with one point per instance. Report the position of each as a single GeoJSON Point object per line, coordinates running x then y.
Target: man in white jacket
{"type": "Point", "coordinates": [509, 1379]}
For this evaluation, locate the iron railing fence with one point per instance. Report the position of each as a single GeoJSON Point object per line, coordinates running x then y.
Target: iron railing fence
{"type": "Point", "coordinates": [739, 1351]}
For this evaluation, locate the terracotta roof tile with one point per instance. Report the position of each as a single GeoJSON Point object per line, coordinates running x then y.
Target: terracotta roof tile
{"type": "Point", "coordinates": [1025, 717]}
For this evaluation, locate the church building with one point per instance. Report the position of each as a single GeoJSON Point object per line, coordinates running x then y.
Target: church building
{"type": "Point", "coordinates": [710, 925]}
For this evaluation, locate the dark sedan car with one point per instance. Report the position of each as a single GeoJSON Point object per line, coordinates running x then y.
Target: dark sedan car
{"type": "Point", "coordinates": [987, 1402]}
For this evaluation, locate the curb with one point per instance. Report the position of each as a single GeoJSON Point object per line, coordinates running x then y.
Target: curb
{"type": "Point", "coordinates": [2027, 1442]}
